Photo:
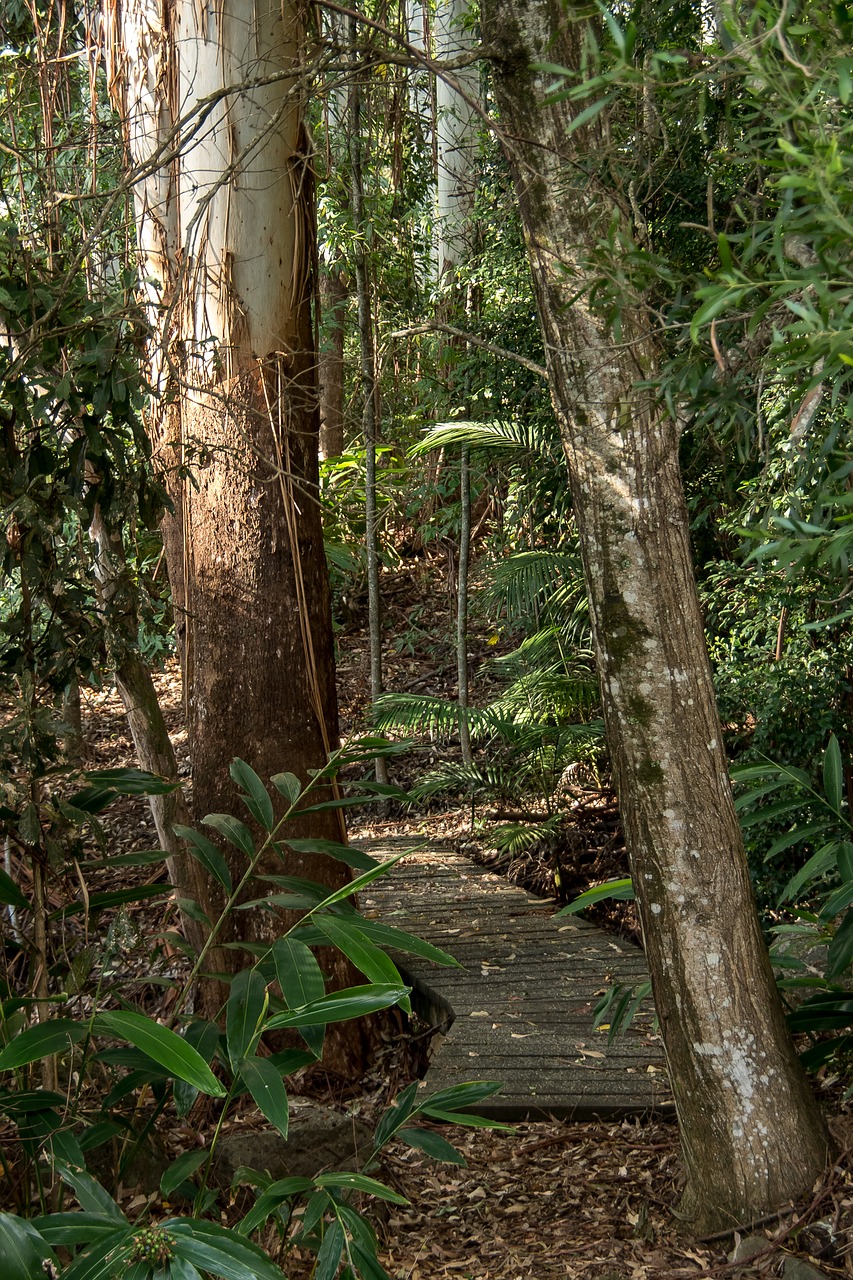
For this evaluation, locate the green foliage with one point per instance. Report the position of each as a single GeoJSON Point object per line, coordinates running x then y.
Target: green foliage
{"type": "Point", "coordinates": [816, 818]}
{"type": "Point", "coordinates": [284, 987]}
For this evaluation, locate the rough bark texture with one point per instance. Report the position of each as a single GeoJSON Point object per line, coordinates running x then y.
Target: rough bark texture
{"type": "Point", "coordinates": [224, 204]}
{"type": "Point", "coordinates": [751, 1131]}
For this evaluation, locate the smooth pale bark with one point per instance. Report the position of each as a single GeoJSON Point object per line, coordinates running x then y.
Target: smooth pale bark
{"type": "Point", "coordinates": [456, 154]}
{"type": "Point", "coordinates": [225, 216]}
{"type": "Point", "coordinates": [751, 1131]}
{"type": "Point", "coordinates": [369, 392]}
{"type": "Point", "coordinates": [456, 137]}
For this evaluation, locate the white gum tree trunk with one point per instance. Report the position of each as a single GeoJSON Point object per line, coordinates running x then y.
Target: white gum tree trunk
{"type": "Point", "coordinates": [456, 141]}
{"type": "Point", "coordinates": [212, 97]}
{"type": "Point", "coordinates": [751, 1131]}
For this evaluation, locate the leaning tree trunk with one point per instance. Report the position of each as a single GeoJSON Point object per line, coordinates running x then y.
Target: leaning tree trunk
{"type": "Point", "coordinates": [154, 751]}
{"type": "Point", "coordinates": [212, 101]}
{"type": "Point", "coordinates": [751, 1131]}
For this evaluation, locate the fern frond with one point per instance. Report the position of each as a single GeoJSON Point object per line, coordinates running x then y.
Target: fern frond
{"type": "Point", "coordinates": [433, 717]}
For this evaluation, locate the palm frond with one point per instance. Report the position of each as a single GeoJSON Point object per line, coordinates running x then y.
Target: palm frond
{"type": "Point", "coordinates": [548, 697]}
{"type": "Point", "coordinates": [493, 779]}
{"type": "Point", "coordinates": [518, 837]}
{"type": "Point", "coordinates": [433, 717]}
{"type": "Point", "coordinates": [526, 584]}
{"type": "Point", "coordinates": [518, 436]}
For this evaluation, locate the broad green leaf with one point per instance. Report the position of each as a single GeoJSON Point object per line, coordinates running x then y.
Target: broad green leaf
{"type": "Point", "coordinates": [266, 1086]}
{"type": "Point", "coordinates": [589, 113]}
{"type": "Point", "coordinates": [357, 947]}
{"type": "Point", "coordinates": [221, 1252]}
{"type": "Point", "coordinates": [23, 1252]}
{"type": "Point", "coordinates": [258, 803]}
{"type": "Point", "coordinates": [105, 785]}
{"type": "Point", "coordinates": [329, 1253]}
{"type": "Point", "coordinates": [818, 864]}
{"type": "Point", "coordinates": [771, 812]}
{"type": "Point", "coordinates": [285, 901]}
{"type": "Point", "coordinates": [299, 975]}
{"type": "Point", "coordinates": [315, 1209]}
{"type": "Point", "coordinates": [840, 955]}
{"type": "Point", "coordinates": [460, 1095]}
{"type": "Point", "coordinates": [356, 1225]}
{"type": "Point", "coordinates": [334, 849]}
{"type": "Point", "coordinates": [352, 1002]}
{"type": "Point", "coordinates": [794, 836]}
{"type": "Point", "coordinates": [104, 1259]}
{"type": "Point", "coordinates": [838, 901]}
{"type": "Point", "coordinates": [232, 830]}
{"type": "Point", "coordinates": [844, 859]}
{"type": "Point", "coordinates": [112, 898]}
{"type": "Point", "coordinates": [74, 1227]}
{"type": "Point", "coordinates": [42, 1041]}
{"type": "Point", "coordinates": [164, 1046]}
{"type": "Point", "coordinates": [301, 981]}
{"type": "Point", "coordinates": [247, 1004]}
{"type": "Point", "coordinates": [287, 785]}
{"type": "Point", "coordinates": [93, 1198]}
{"type": "Point", "coordinates": [359, 1182]}
{"type": "Point", "coordinates": [311, 889]}
{"type": "Point", "coordinates": [432, 1144]}
{"type": "Point", "coordinates": [274, 1195]}
{"type": "Point", "coordinates": [355, 886]}
{"type": "Point", "coordinates": [181, 1169]}
{"type": "Point", "coordinates": [290, 1060]}
{"type": "Point", "coordinates": [389, 936]}
{"type": "Point", "coordinates": [206, 852]}
{"type": "Point", "coordinates": [366, 1262]}
{"type": "Point", "coordinates": [621, 889]}
{"type": "Point", "coordinates": [833, 774]}
{"type": "Point", "coordinates": [396, 1115]}
{"type": "Point", "coordinates": [181, 1269]}
{"type": "Point", "coordinates": [467, 1118]}
{"type": "Point", "coordinates": [10, 894]}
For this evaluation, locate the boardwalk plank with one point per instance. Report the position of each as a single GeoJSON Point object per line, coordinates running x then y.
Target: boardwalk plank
{"type": "Point", "coordinates": [520, 1011]}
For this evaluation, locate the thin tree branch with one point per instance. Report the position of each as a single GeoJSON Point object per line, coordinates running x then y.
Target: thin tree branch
{"type": "Point", "coordinates": [435, 326]}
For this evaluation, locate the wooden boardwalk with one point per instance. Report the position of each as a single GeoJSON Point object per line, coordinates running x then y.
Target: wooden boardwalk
{"type": "Point", "coordinates": [521, 1009]}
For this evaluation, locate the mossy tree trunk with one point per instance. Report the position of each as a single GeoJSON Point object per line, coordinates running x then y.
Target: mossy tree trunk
{"type": "Point", "coordinates": [752, 1134]}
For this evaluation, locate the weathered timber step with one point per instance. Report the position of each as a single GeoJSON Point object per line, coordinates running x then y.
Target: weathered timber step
{"type": "Point", "coordinates": [520, 1011]}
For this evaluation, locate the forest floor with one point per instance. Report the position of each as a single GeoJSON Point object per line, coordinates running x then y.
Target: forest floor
{"type": "Point", "coordinates": [550, 1200]}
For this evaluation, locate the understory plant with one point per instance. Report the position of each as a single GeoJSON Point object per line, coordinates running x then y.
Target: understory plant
{"type": "Point", "coordinates": [82, 1067]}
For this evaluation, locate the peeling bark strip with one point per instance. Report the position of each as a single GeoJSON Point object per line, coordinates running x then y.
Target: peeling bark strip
{"type": "Point", "coordinates": [224, 206]}
{"type": "Point", "coordinates": [752, 1134]}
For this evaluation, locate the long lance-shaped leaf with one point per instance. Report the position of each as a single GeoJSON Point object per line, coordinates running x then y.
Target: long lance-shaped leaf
{"type": "Point", "coordinates": [266, 1086]}
{"type": "Point", "coordinates": [244, 1013]}
{"type": "Point", "coordinates": [352, 1002]}
{"type": "Point", "coordinates": [219, 1251]}
{"type": "Point", "coordinates": [164, 1046]}
{"type": "Point", "coordinates": [41, 1041]}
